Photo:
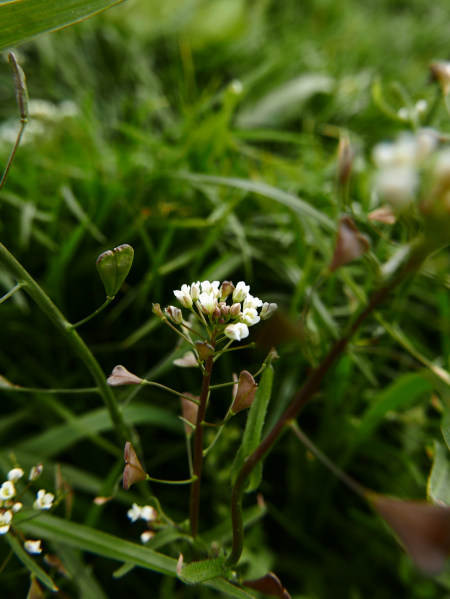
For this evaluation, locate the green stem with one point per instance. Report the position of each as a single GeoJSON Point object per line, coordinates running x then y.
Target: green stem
{"type": "Point", "coordinates": [195, 332]}
{"type": "Point", "coordinates": [13, 153]}
{"type": "Point", "coordinates": [51, 311]}
{"type": "Point", "coordinates": [88, 318]}
{"type": "Point", "coordinates": [299, 401]}
{"type": "Point", "coordinates": [180, 333]}
{"type": "Point", "coordinates": [152, 384]}
{"type": "Point", "coordinates": [225, 349]}
{"type": "Point", "coordinates": [172, 482]}
{"type": "Point", "coordinates": [345, 478]}
{"type": "Point", "coordinates": [12, 292]}
{"type": "Point", "coordinates": [198, 446]}
{"type": "Point", "coordinates": [19, 389]}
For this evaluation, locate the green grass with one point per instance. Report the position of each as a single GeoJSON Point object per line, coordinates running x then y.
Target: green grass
{"type": "Point", "coordinates": [206, 183]}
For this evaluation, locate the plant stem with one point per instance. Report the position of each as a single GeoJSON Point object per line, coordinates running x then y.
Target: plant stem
{"type": "Point", "coordinates": [152, 384]}
{"type": "Point", "coordinates": [12, 292]}
{"type": "Point", "coordinates": [198, 446]}
{"type": "Point", "coordinates": [88, 318]}
{"type": "Point", "coordinates": [172, 482]}
{"type": "Point", "coordinates": [48, 307]}
{"type": "Point", "coordinates": [302, 397]}
{"type": "Point", "coordinates": [19, 389]}
{"type": "Point", "coordinates": [23, 124]}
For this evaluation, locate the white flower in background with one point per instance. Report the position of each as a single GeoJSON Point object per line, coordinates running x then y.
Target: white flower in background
{"type": "Point", "coordinates": [134, 513]}
{"type": "Point", "coordinates": [237, 331]}
{"type": "Point", "coordinates": [195, 291]}
{"type": "Point", "coordinates": [208, 302]}
{"type": "Point", "coordinates": [241, 292]}
{"type": "Point", "coordinates": [15, 474]}
{"type": "Point", "coordinates": [267, 311]}
{"type": "Point", "coordinates": [250, 316]}
{"type": "Point", "coordinates": [17, 507]}
{"type": "Point", "coordinates": [189, 360]}
{"type": "Point", "coordinates": [149, 513]}
{"type": "Point", "coordinates": [44, 500]}
{"type": "Point", "coordinates": [184, 296]}
{"type": "Point", "coordinates": [146, 536]}
{"type": "Point", "coordinates": [7, 490]}
{"type": "Point", "coordinates": [442, 166]}
{"type": "Point", "coordinates": [33, 546]}
{"type": "Point", "coordinates": [5, 522]}
{"type": "Point", "coordinates": [397, 185]}
{"type": "Point", "coordinates": [252, 302]}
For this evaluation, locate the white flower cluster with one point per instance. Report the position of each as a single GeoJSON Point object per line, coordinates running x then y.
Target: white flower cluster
{"type": "Point", "coordinates": [9, 507]}
{"type": "Point", "coordinates": [398, 164]}
{"type": "Point", "coordinates": [210, 299]}
{"type": "Point", "coordinates": [147, 513]}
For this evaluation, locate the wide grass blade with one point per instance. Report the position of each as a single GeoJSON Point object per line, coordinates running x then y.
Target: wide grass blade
{"type": "Point", "coordinates": [27, 19]}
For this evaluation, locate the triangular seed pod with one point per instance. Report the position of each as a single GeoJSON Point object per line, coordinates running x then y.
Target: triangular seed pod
{"type": "Point", "coordinates": [133, 472]}
{"type": "Point", "coordinates": [113, 267]}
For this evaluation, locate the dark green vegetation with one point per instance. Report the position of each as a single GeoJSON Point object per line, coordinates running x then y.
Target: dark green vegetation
{"type": "Point", "coordinates": [159, 111]}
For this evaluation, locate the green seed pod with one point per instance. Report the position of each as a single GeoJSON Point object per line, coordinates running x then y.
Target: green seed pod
{"type": "Point", "coordinates": [113, 267]}
{"type": "Point", "coordinates": [20, 85]}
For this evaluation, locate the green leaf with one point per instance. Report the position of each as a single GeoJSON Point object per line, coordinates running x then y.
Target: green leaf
{"type": "Point", "coordinates": [113, 267]}
{"type": "Point", "coordinates": [291, 201]}
{"type": "Point", "coordinates": [94, 541]}
{"type": "Point", "coordinates": [27, 19]}
{"type": "Point", "coordinates": [204, 570]}
{"type": "Point", "coordinates": [438, 486]}
{"type": "Point", "coordinates": [29, 562]}
{"type": "Point", "coordinates": [253, 430]}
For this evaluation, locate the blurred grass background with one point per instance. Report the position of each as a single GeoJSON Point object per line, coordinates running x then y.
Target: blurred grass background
{"type": "Point", "coordinates": [147, 100]}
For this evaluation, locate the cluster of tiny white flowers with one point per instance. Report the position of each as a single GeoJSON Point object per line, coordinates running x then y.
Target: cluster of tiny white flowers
{"type": "Point", "coordinates": [9, 507]}
{"type": "Point", "coordinates": [210, 299]}
{"type": "Point", "coordinates": [147, 513]}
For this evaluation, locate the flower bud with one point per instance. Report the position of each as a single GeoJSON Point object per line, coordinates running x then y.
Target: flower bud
{"type": "Point", "coordinates": [120, 376]}
{"type": "Point", "coordinates": [225, 310]}
{"type": "Point", "coordinates": [267, 311]}
{"type": "Point", "coordinates": [113, 267]}
{"type": "Point", "coordinates": [345, 160]}
{"type": "Point", "coordinates": [226, 289]}
{"type": "Point", "coordinates": [350, 244]}
{"type": "Point", "coordinates": [20, 85]}
{"type": "Point", "coordinates": [217, 312]}
{"type": "Point", "coordinates": [36, 472]}
{"type": "Point", "coordinates": [440, 72]}
{"type": "Point", "coordinates": [174, 314]}
{"type": "Point", "coordinates": [195, 291]}
{"type": "Point", "coordinates": [235, 310]}
{"type": "Point", "coordinates": [204, 350]}
{"type": "Point", "coordinates": [157, 310]}
{"type": "Point", "coordinates": [146, 536]}
{"type": "Point", "coordinates": [384, 214]}
{"type": "Point", "coordinates": [133, 472]}
{"type": "Point", "coordinates": [184, 296]}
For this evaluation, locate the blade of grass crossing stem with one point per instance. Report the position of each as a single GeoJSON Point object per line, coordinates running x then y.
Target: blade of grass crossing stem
{"type": "Point", "coordinates": [100, 543]}
{"type": "Point", "coordinates": [253, 430]}
{"type": "Point", "coordinates": [22, 21]}
{"type": "Point", "coordinates": [29, 562]}
{"type": "Point", "coordinates": [438, 486]}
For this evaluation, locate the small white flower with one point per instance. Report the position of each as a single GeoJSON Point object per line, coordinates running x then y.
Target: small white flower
{"type": "Point", "coordinates": [44, 500]}
{"type": "Point", "coordinates": [134, 513]}
{"type": "Point", "coordinates": [209, 288]}
{"type": "Point", "coordinates": [33, 546]}
{"type": "Point", "coordinates": [237, 331]}
{"type": "Point", "coordinates": [36, 472]}
{"type": "Point", "coordinates": [17, 507]}
{"type": "Point", "coordinates": [397, 185]}
{"type": "Point", "coordinates": [5, 522]}
{"type": "Point", "coordinates": [7, 490]}
{"type": "Point", "coordinates": [15, 474]}
{"type": "Point", "coordinates": [250, 316]}
{"type": "Point", "coordinates": [267, 311]}
{"type": "Point", "coordinates": [195, 291]}
{"type": "Point", "coordinates": [174, 314]}
{"type": "Point", "coordinates": [149, 513]}
{"type": "Point", "coordinates": [208, 302]}
{"type": "Point", "coordinates": [184, 296]}
{"type": "Point", "coordinates": [252, 302]}
{"type": "Point", "coordinates": [241, 292]}
{"type": "Point", "coordinates": [421, 106]}
{"type": "Point", "coordinates": [146, 536]}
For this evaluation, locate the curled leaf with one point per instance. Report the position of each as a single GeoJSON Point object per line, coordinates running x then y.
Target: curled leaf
{"type": "Point", "coordinates": [269, 585]}
{"type": "Point", "coordinates": [133, 471]}
{"type": "Point", "coordinates": [423, 529]}
{"type": "Point", "coordinates": [121, 376]}
{"type": "Point", "coordinates": [245, 395]}
{"type": "Point", "coordinates": [113, 267]}
{"type": "Point", "coordinates": [350, 244]}
{"type": "Point", "coordinates": [189, 410]}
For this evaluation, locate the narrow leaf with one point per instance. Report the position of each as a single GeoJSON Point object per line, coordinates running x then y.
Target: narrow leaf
{"type": "Point", "coordinates": [202, 571]}
{"type": "Point", "coordinates": [29, 562]}
{"type": "Point", "coordinates": [253, 430]}
{"type": "Point", "coordinates": [438, 487]}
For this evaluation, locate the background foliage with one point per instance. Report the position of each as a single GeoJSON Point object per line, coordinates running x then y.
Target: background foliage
{"type": "Point", "coordinates": [145, 105]}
